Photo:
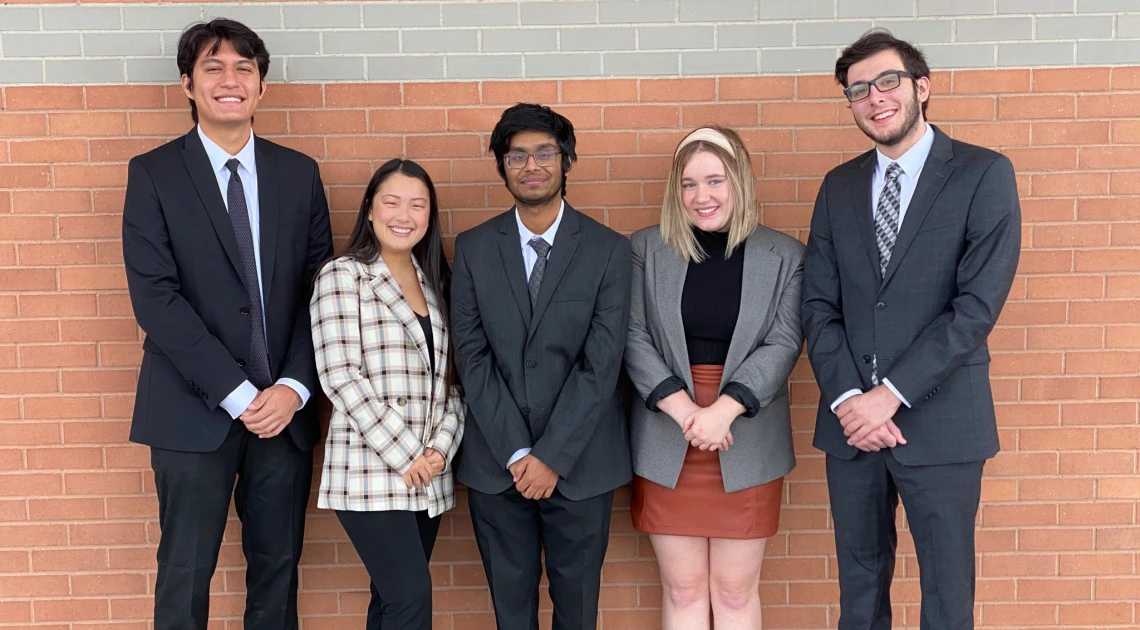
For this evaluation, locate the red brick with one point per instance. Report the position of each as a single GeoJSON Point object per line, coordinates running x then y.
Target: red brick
{"type": "Point", "coordinates": [40, 98]}
{"type": "Point", "coordinates": [1108, 106]}
{"type": "Point", "coordinates": [641, 116]}
{"type": "Point", "coordinates": [358, 95]}
{"type": "Point", "coordinates": [792, 114]}
{"type": "Point", "coordinates": [599, 91]}
{"type": "Point", "coordinates": [1036, 107]}
{"type": "Point", "coordinates": [505, 93]}
{"type": "Point", "coordinates": [441, 94]}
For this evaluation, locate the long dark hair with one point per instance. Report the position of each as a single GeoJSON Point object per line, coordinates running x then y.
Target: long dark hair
{"type": "Point", "coordinates": [364, 246]}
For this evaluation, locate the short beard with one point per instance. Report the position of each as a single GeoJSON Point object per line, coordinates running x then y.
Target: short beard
{"type": "Point", "coordinates": [913, 115]}
{"type": "Point", "coordinates": [539, 200]}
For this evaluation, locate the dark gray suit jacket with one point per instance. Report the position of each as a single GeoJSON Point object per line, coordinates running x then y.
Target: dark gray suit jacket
{"type": "Point", "coordinates": [765, 345]}
{"type": "Point", "coordinates": [928, 318]}
{"type": "Point", "coordinates": [546, 379]}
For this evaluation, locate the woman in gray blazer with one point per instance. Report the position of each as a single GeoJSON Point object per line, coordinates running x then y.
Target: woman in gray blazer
{"type": "Point", "coordinates": [714, 333]}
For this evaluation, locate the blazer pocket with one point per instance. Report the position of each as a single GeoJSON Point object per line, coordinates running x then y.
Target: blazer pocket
{"type": "Point", "coordinates": [577, 296]}
{"type": "Point", "coordinates": [939, 226]}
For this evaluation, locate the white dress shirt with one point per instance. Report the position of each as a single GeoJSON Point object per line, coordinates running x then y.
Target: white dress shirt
{"type": "Point", "coordinates": [529, 258]}
{"type": "Point", "coordinates": [239, 399]}
{"type": "Point", "coordinates": [911, 163]}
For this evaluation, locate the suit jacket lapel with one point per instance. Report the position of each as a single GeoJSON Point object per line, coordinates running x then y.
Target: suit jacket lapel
{"type": "Point", "coordinates": [385, 288]}
{"type": "Point", "coordinates": [761, 271]}
{"type": "Point", "coordinates": [439, 344]}
{"type": "Point", "coordinates": [565, 244]}
{"type": "Point", "coordinates": [513, 267]}
{"type": "Point", "coordinates": [860, 188]}
{"type": "Point", "coordinates": [268, 211]}
{"type": "Point", "coordinates": [935, 172]}
{"type": "Point", "coordinates": [669, 282]}
{"type": "Point", "coordinates": [206, 183]}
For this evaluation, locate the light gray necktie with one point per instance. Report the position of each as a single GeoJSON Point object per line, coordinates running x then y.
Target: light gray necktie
{"type": "Point", "coordinates": [541, 247]}
{"type": "Point", "coordinates": [887, 216]}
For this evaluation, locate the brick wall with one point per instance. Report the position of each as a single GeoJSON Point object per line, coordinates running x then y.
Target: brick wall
{"type": "Point", "coordinates": [1059, 535]}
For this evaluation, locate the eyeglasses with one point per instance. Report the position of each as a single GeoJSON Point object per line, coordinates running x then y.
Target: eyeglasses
{"type": "Point", "coordinates": [519, 159]}
{"type": "Point", "coordinates": [883, 83]}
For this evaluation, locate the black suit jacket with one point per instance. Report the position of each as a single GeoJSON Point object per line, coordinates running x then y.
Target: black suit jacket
{"type": "Point", "coordinates": [928, 318]}
{"type": "Point", "coordinates": [546, 379]}
{"type": "Point", "coordinates": [188, 295]}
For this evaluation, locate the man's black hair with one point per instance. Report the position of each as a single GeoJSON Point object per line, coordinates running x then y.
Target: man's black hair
{"type": "Point", "coordinates": [210, 35]}
{"type": "Point", "coordinates": [532, 117]}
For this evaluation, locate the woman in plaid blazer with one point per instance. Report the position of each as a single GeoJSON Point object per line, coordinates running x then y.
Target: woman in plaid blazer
{"type": "Point", "coordinates": [384, 360]}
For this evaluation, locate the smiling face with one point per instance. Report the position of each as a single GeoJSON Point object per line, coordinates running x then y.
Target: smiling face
{"type": "Point", "coordinates": [891, 118]}
{"type": "Point", "coordinates": [535, 185]}
{"type": "Point", "coordinates": [400, 214]}
{"type": "Point", "coordinates": [706, 193]}
{"type": "Point", "coordinates": [225, 86]}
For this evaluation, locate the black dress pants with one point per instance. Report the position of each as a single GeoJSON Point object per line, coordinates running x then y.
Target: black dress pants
{"type": "Point", "coordinates": [395, 547]}
{"type": "Point", "coordinates": [941, 508]}
{"type": "Point", "coordinates": [273, 480]}
{"type": "Point", "coordinates": [515, 534]}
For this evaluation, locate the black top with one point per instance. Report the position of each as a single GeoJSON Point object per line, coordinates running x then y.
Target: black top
{"type": "Point", "coordinates": [425, 324]}
{"type": "Point", "coordinates": [710, 300]}
{"type": "Point", "coordinates": [710, 304]}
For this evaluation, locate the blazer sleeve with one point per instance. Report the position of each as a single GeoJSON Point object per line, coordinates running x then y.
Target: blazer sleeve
{"type": "Point", "coordinates": [299, 360]}
{"type": "Point", "coordinates": [765, 371]}
{"type": "Point", "coordinates": [984, 276]}
{"type": "Point", "coordinates": [822, 309]}
{"type": "Point", "coordinates": [168, 320]}
{"type": "Point", "coordinates": [450, 430]}
{"type": "Point", "coordinates": [490, 401]}
{"type": "Point", "coordinates": [590, 385]}
{"type": "Point", "coordinates": [336, 339]}
{"type": "Point", "coordinates": [644, 364]}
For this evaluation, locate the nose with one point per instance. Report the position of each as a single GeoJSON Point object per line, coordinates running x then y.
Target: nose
{"type": "Point", "coordinates": [531, 163]}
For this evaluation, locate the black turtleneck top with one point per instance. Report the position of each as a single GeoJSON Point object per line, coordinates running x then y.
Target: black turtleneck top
{"type": "Point", "coordinates": [710, 305]}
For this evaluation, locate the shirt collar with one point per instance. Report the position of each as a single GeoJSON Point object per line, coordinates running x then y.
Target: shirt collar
{"type": "Point", "coordinates": [219, 157]}
{"type": "Point", "coordinates": [915, 157]}
{"type": "Point", "coordinates": [525, 235]}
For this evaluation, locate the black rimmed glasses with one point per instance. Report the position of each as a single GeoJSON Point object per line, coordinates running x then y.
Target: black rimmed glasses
{"type": "Point", "coordinates": [518, 159]}
{"type": "Point", "coordinates": [883, 83]}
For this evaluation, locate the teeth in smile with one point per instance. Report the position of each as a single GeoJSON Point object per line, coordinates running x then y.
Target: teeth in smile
{"type": "Point", "coordinates": [230, 99]}
{"type": "Point", "coordinates": [882, 115]}
{"type": "Point", "coordinates": [402, 231]}
{"type": "Point", "coordinates": [706, 211]}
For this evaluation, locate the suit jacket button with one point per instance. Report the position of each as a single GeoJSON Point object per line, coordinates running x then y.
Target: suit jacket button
{"type": "Point", "coordinates": [400, 401]}
{"type": "Point", "coordinates": [241, 363]}
{"type": "Point", "coordinates": [866, 358]}
{"type": "Point", "coordinates": [531, 364]}
{"type": "Point", "coordinates": [881, 305]}
{"type": "Point", "coordinates": [244, 310]}
{"type": "Point", "coordinates": [525, 410]}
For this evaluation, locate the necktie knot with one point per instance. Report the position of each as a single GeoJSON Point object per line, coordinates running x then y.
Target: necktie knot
{"type": "Point", "coordinates": [540, 246]}
{"type": "Point", "coordinates": [893, 171]}
{"type": "Point", "coordinates": [233, 165]}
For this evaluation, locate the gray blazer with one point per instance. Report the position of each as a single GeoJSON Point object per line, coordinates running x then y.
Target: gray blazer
{"type": "Point", "coordinates": [764, 348]}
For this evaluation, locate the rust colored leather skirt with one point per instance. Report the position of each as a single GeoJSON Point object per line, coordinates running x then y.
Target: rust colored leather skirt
{"type": "Point", "coordinates": [699, 506]}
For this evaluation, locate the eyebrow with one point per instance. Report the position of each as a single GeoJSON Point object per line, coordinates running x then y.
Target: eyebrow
{"type": "Point", "coordinates": [545, 145]}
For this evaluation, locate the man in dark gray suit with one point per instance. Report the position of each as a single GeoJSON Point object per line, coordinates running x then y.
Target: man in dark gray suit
{"type": "Point", "coordinates": [539, 313]}
{"type": "Point", "coordinates": [912, 252]}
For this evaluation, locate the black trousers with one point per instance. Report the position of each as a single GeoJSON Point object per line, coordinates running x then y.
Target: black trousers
{"type": "Point", "coordinates": [941, 508]}
{"type": "Point", "coordinates": [514, 534]}
{"type": "Point", "coordinates": [273, 480]}
{"type": "Point", "coordinates": [395, 547]}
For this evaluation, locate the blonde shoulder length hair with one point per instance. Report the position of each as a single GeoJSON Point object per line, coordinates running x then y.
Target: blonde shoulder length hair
{"type": "Point", "coordinates": [726, 145]}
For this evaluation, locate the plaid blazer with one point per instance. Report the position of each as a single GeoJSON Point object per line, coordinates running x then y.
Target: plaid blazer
{"type": "Point", "coordinates": [388, 406]}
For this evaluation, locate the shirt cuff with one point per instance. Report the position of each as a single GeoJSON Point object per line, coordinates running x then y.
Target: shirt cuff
{"type": "Point", "coordinates": [519, 454]}
{"type": "Point", "coordinates": [301, 390]}
{"type": "Point", "coordinates": [667, 387]}
{"type": "Point", "coordinates": [847, 394]}
{"type": "Point", "coordinates": [894, 391]}
{"type": "Point", "coordinates": [239, 400]}
{"type": "Point", "coordinates": [742, 395]}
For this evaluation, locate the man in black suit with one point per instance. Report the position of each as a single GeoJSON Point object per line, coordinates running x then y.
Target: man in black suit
{"type": "Point", "coordinates": [912, 252]}
{"type": "Point", "coordinates": [539, 312]}
{"type": "Point", "coordinates": [222, 233]}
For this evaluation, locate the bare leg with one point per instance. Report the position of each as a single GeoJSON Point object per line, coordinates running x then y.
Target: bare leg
{"type": "Point", "coordinates": [684, 564]}
{"type": "Point", "coordinates": [734, 582]}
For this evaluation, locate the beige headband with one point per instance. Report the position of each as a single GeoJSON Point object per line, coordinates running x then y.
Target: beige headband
{"type": "Point", "coordinates": [707, 134]}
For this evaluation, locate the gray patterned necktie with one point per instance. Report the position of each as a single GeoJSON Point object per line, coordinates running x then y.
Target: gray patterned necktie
{"type": "Point", "coordinates": [887, 216]}
{"type": "Point", "coordinates": [541, 247]}
{"type": "Point", "coordinates": [256, 366]}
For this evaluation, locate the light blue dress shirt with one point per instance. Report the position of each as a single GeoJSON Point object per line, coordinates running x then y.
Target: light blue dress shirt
{"type": "Point", "coordinates": [911, 163]}
{"type": "Point", "coordinates": [239, 400]}
{"type": "Point", "coordinates": [529, 258]}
